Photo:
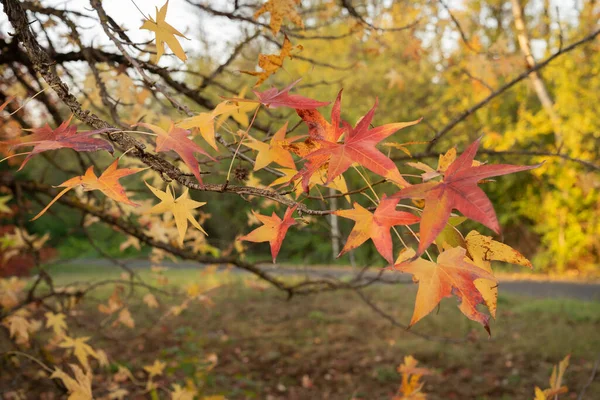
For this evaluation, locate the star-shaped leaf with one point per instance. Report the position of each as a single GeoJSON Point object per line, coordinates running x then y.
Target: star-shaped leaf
{"type": "Point", "coordinates": [81, 349]}
{"type": "Point", "coordinates": [457, 191]}
{"type": "Point", "coordinates": [177, 140]}
{"type": "Point", "coordinates": [454, 274]}
{"type": "Point", "coordinates": [181, 208]}
{"type": "Point", "coordinates": [273, 230]}
{"type": "Point", "coordinates": [271, 63]}
{"type": "Point", "coordinates": [282, 98]}
{"type": "Point", "coordinates": [65, 136]}
{"type": "Point", "coordinates": [274, 151]}
{"type": "Point", "coordinates": [165, 33]}
{"type": "Point", "coordinates": [107, 183]}
{"type": "Point", "coordinates": [240, 114]}
{"type": "Point", "coordinates": [79, 388]}
{"type": "Point", "coordinates": [56, 322]}
{"type": "Point", "coordinates": [376, 226]}
{"type": "Point", "coordinates": [280, 9]}
{"type": "Point", "coordinates": [359, 147]}
{"type": "Point", "coordinates": [205, 122]}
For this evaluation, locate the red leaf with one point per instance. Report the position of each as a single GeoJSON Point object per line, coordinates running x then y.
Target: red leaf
{"type": "Point", "coordinates": [274, 98]}
{"type": "Point", "coordinates": [359, 147]}
{"type": "Point", "coordinates": [65, 136]}
{"type": "Point", "coordinates": [458, 190]}
{"type": "Point", "coordinates": [273, 230]}
{"type": "Point", "coordinates": [177, 140]}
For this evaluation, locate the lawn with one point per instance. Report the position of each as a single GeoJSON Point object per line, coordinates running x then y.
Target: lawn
{"type": "Point", "coordinates": [333, 346]}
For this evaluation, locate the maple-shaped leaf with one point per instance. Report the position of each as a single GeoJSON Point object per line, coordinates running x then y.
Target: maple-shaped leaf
{"type": "Point", "coordinates": [56, 322]}
{"type": "Point", "coordinates": [375, 226]}
{"type": "Point", "coordinates": [274, 151]}
{"type": "Point", "coordinates": [282, 98]}
{"type": "Point", "coordinates": [290, 178]}
{"type": "Point", "coordinates": [205, 122]}
{"type": "Point", "coordinates": [79, 388]}
{"type": "Point", "coordinates": [280, 9]}
{"type": "Point", "coordinates": [273, 230]}
{"type": "Point", "coordinates": [457, 191]}
{"type": "Point", "coordinates": [177, 140]}
{"type": "Point", "coordinates": [482, 250]}
{"type": "Point", "coordinates": [107, 183]}
{"type": "Point", "coordinates": [81, 350]}
{"type": "Point", "coordinates": [165, 33]}
{"type": "Point", "coordinates": [240, 114]}
{"type": "Point", "coordinates": [65, 136]}
{"type": "Point", "coordinates": [156, 369]}
{"type": "Point", "coordinates": [454, 274]}
{"type": "Point", "coordinates": [181, 208]}
{"type": "Point", "coordinates": [359, 147]}
{"type": "Point", "coordinates": [411, 386]}
{"type": "Point", "coordinates": [271, 63]}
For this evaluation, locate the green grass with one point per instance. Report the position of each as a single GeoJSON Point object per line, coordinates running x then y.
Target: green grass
{"type": "Point", "coordinates": [264, 341]}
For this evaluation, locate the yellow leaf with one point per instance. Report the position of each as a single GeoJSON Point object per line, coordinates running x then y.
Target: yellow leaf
{"type": "Point", "coordinates": [56, 322]}
{"type": "Point", "coordinates": [81, 349]}
{"type": "Point", "coordinates": [180, 393]}
{"type": "Point", "coordinates": [272, 152]}
{"type": "Point", "coordinates": [205, 121]}
{"type": "Point", "coordinates": [150, 300]}
{"type": "Point", "coordinates": [271, 63]}
{"type": "Point", "coordinates": [483, 249]}
{"type": "Point", "coordinates": [165, 33]}
{"type": "Point", "coordinates": [155, 369]}
{"type": "Point", "coordinates": [280, 9]}
{"type": "Point", "coordinates": [79, 388]}
{"type": "Point", "coordinates": [240, 114]}
{"type": "Point", "coordinates": [3, 207]}
{"type": "Point", "coordinates": [181, 208]}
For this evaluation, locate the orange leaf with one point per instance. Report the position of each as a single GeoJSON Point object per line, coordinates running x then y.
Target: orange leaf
{"type": "Point", "coordinates": [280, 9]}
{"type": "Point", "coordinates": [452, 274]}
{"type": "Point", "coordinates": [375, 226]}
{"type": "Point", "coordinates": [271, 63]}
{"type": "Point", "coordinates": [274, 151]}
{"type": "Point", "coordinates": [107, 183]}
{"type": "Point", "coordinates": [273, 230]}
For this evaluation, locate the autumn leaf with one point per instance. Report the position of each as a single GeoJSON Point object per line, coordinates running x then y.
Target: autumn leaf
{"type": "Point", "coordinates": [482, 250]}
{"type": "Point", "coordinates": [359, 147]}
{"type": "Point", "coordinates": [7, 102]}
{"type": "Point", "coordinates": [410, 388]}
{"type": "Point", "coordinates": [65, 136]}
{"type": "Point", "coordinates": [107, 183]}
{"type": "Point", "coordinates": [156, 369]}
{"type": "Point", "coordinates": [318, 178]}
{"type": "Point", "coordinates": [205, 122]}
{"type": "Point", "coordinates": [239, 114]}
{"type": "Point", "coordinates": [458, 190]}
{"type": "Point", "coordinates": [375, 226]}
{"type": "Point", "coordinates": [3, 201]}
{"type": "Point", "coordinates": [556, 379]}
{"type": "Point", "coordinates": [271, 63]}
{"type": "Point", "coordinates": [181, 393]}
{"type": "Point", "coordinates": [181, 208]}
{"type": "Point", "coordinates": [272, 152]}
{"type": "Point", "coordinates": [56, 322]}
{"type": "Point", "coordinates": [79, 388]}
{"type": "Point", "coordinates": [454, 274]}
{"type": "Point", "coordinates": [150, 300]}
{"type": "Point", "coordinates": [81, 350]}
{"type": "Point", "coordinates": [273, 230]}
{"type": "Point", "coordinates": [177, 140]}
{"type": "Point", "coordinates": [165, 34]}
{"type": "Point", "coordinates": [280, 9]}
{"type": "Point", "coordinates": [273, 98]}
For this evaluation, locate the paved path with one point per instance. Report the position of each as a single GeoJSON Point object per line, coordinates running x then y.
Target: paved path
{"type": "Point", "coordinates": [541, 289]}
